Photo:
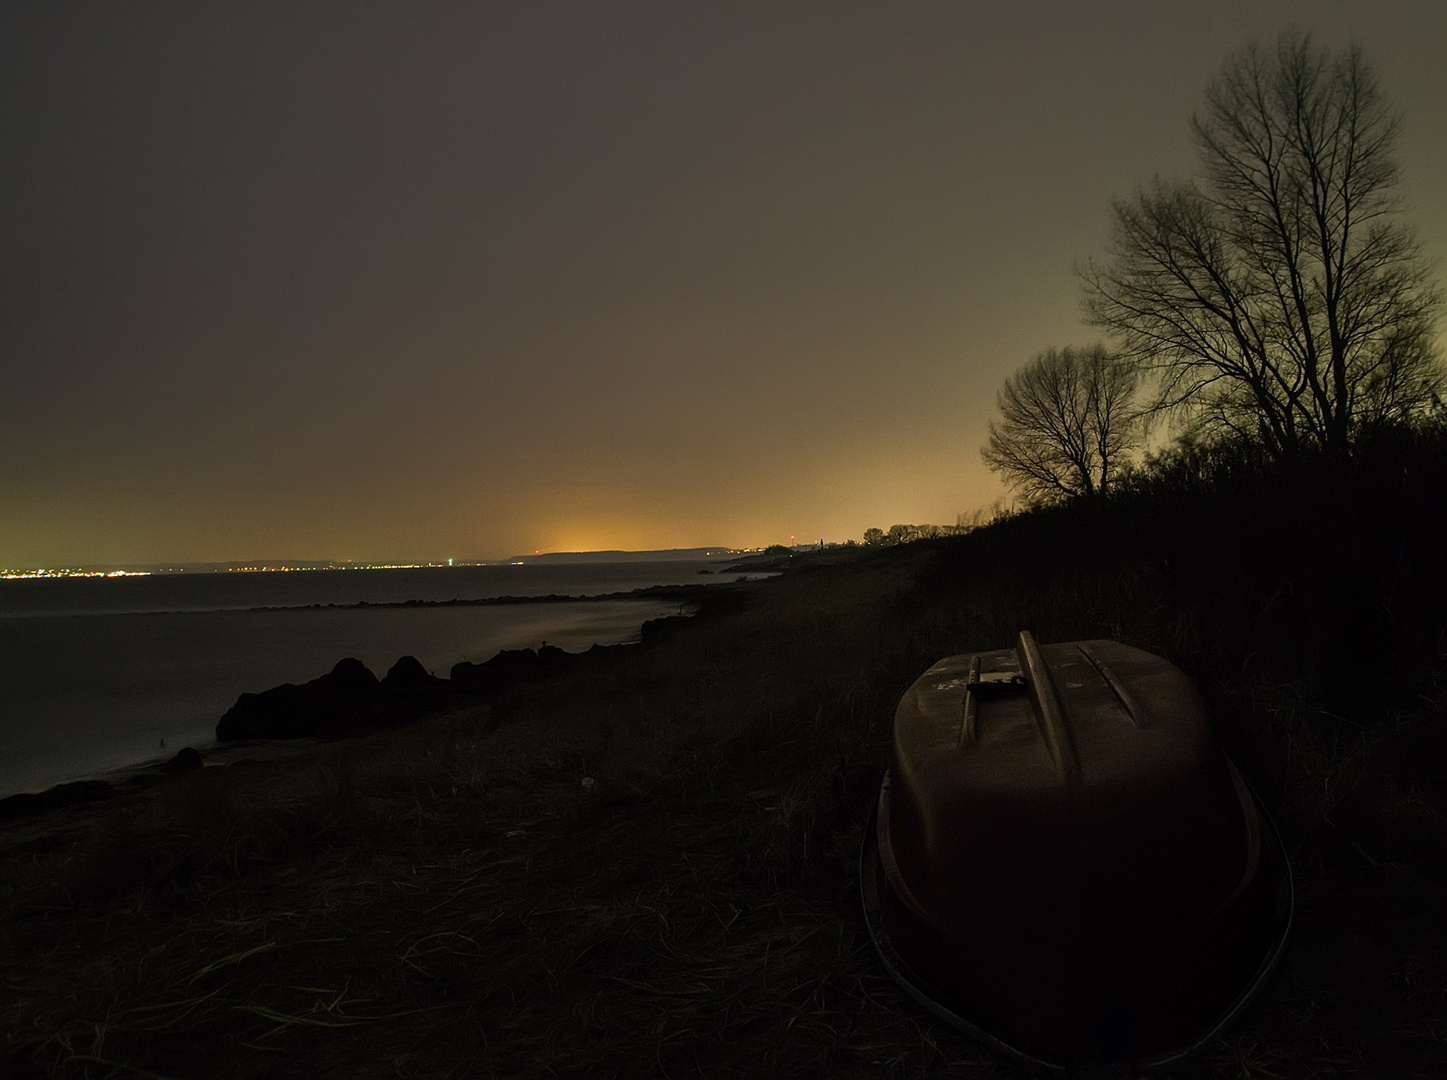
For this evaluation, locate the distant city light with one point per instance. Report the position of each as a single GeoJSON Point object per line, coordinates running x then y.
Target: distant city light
{"type": "Point", "coordinates": [11, 575]}
{"type": "Point", "coordinates": [8, 574]}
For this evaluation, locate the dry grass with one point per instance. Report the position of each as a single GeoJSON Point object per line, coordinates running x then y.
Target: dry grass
{"type": "Point", "coordinates": [453, 899]}
{"type": "Point", "coordinates": [646, 866]}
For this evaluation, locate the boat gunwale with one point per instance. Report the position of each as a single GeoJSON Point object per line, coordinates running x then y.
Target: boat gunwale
{"type": "Point", "coordinates": [920, 989]}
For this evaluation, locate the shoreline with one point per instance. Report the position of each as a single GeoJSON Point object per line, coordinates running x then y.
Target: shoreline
{"type": "Point", "coordinates": [109, 785]}
{"type": "Point", "coordinates": [651, 858]}
{"type": "Point", "coordinates": [106, 784]}
{"type": "Point", "coordinates": [646, 592]}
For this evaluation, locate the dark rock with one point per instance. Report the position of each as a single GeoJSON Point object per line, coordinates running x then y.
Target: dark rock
{"type": "Point", "coordinates": [187, 759]}
{"type": "Point", "coordinates": [410, 691]}
{"type": "Point", "coordinates": [350, 700]}
{"type": "Point", "coordinates": [406, 672]}
{"type": "Point", "coordinates": [506, 667]}
{"type": "Point", "coordinates": [345, 701]}
{"type": "Point", "coordinates": [80, 791]}
{"type": "Point", "coordinates": [659, 629]}
{"type": "Point", "coordinates": [510, 666]}
{"type": "Point", "coordinates": [349, 676]}
{"type": "Point", "coordinates": [551, 657]}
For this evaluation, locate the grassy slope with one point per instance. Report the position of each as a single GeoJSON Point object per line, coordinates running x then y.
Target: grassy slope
{"type": "Point", "coordinates": [451, 899]}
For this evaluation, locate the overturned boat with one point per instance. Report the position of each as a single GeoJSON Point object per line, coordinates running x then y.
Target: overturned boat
{"type": "Point", "coordinates": [1065, 864]}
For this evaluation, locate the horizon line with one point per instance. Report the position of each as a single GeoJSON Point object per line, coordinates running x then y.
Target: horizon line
{"type": "Point", "coordinates": [175, 566]}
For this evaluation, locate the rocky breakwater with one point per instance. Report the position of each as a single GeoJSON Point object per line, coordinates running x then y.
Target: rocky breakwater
{"type": "Point", "coordinates": [350, 700]}
{"type": "Point", "coordinates": [508, 667]}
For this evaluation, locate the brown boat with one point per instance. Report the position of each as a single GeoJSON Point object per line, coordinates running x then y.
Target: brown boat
{"type": "Point", "coordinates": [1065, 864]}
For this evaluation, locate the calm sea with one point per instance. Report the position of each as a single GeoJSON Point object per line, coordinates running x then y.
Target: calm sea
{"type": "Point", "coordinates": [95, 673]}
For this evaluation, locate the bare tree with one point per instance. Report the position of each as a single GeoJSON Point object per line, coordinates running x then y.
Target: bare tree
{"type": "Point", "coordinates": [1066, 424]}
{"type": "Point", "coordinates": [1279, 296]}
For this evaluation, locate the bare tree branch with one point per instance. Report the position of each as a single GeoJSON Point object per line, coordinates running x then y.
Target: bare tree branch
{"type": "Point", "coordinates": [1280, 295]}
{"type": "Point", "coordinates": [1067, 423]}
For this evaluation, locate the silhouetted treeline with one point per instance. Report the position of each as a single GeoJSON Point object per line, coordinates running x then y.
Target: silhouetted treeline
{"type": "Point", "coordinates": [907, 534]}
{"type": "Point", "coordinates": [1294, 590]}
{"type": "Point", "coordinates": [1277, 296]}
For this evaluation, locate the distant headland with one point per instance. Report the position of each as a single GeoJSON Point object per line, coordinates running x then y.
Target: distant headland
{"type": "Point", "coordinates": [665, 555]}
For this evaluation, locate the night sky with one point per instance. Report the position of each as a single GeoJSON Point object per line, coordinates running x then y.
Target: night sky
{"type": "Point", "coordinates": [418, 281]}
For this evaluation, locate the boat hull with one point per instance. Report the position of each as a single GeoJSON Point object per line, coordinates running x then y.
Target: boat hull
{"type": "Point", "coordinates": [1107, 891]}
